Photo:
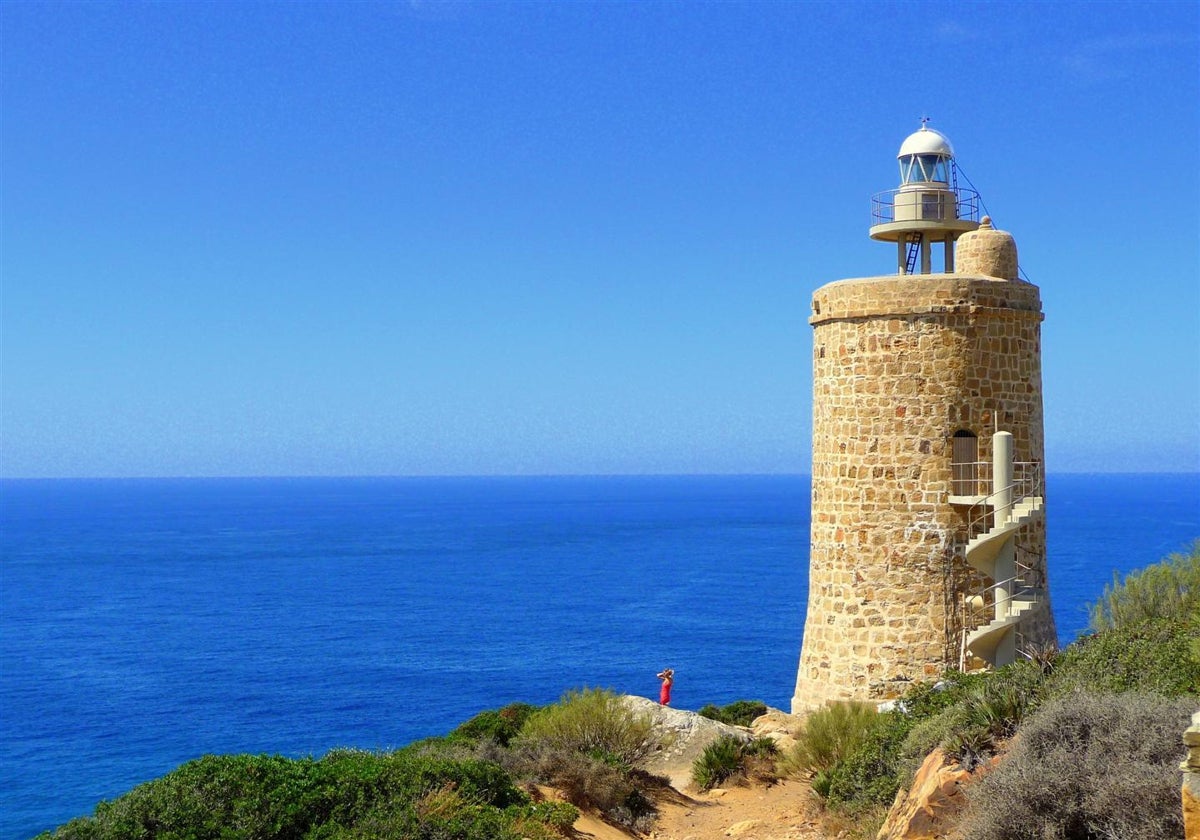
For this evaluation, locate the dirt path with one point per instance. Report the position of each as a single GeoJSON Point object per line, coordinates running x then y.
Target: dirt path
{"type": "Point", "coordinates": [784, 811]}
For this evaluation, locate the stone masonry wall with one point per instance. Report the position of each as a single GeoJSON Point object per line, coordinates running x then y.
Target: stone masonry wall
{"type": "Point", "coordinates": [899, 364]}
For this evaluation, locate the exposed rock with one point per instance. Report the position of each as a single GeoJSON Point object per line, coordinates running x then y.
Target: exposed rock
{"type": "Point", "coordinates": [929, 810]}
{"type": "Point", "coordinates": [683, 736]}
{"type": "Point", "coordinates": [779, 726]}
{"type": "Point", "coordinates": [740, 828]}
{"type": "Point", "coordinates": [1191, 781]}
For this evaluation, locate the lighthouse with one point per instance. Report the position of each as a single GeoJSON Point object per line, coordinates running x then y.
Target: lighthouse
{"type": "Point", "coordinates": [928, 546]}
{"type": "Point", "coordinates": [928, 207]}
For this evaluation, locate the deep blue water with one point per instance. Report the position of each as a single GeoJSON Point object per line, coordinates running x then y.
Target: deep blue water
{"type": "Point", "coordinates": [147, 622]}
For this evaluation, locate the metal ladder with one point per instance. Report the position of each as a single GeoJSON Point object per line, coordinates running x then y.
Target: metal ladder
{"type": "Point", "coordinates": [914, 251]}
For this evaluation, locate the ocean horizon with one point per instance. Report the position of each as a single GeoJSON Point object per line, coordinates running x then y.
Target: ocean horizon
{"type": "Point", "coordinates": [148, 621]}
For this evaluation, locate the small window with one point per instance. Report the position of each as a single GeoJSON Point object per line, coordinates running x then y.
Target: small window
{"type": "Point", "coordinates": [931, 206]}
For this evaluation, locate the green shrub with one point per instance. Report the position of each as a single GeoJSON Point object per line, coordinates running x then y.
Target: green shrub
{"type": "Point", "coordinates": [822, 781]}
{"type": "Point", "coordinates": [927, 735]}
{"type": "Point", "coordinates": [720, 760]}
{"type": "Point", "coordinates": [869, 776]}
{"type": "Point", "coordinates": [760, 748]}
{"type": "Point", "coordinates": [731, 757]}
{"type": "Point", "coordinates": [592, 721]}
{"type": "Point", "coordinates": [348, 793]}
{"type": "Point", "coordinates": [969, 730]}
{"type": "Point", "coordinates": [499, 725]}
{"type": "Point", "coordinates": [872, 773]}
{"type": "Point", "coordinates": [737, 713]}
{"type": "Point", "coordinates": [1158, 656]}
{"type": "Point", "coordinates": [830, 734]}
{"type": "Point", "coordinates": [587, 746]}
{"type": "Point", "coordinates": [1167, 589]}
{"type": "Point", "coordinates": [557, 815]}
{"type": "Point", "coordinates": [1087, 766]}
{"type": "Point", "coordinates": [584, 780]}
{"type": "Point", "coordinates": [988, 714]}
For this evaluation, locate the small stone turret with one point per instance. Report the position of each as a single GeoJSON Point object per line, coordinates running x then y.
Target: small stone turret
{"type": "Point", "coordinates": [988, 252]}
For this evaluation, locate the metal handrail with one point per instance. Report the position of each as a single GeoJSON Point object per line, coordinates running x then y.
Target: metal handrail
{"type": "Point", "coordinates": [1035, 574]}
{"type": "Point", "coordinates": [1020, 586]}
{"type": "Point", "coordinates": [971, 623]}
{"type": "Point", "coordinates": [966, 204]}
{"type": "Point", "coordinates": [1028, 483]}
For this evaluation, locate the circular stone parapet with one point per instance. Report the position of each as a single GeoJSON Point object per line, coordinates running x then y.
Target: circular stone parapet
{"type": "Point", "coordinates": [987, 251]}
{"type": "Point", "coordinates": [937, 295]}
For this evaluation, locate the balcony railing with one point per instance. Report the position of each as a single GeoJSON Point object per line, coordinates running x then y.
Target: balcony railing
{"type": "Point", "coordinates": [883, 205]}
{"type": "Point", "coordinates": [974, 478]}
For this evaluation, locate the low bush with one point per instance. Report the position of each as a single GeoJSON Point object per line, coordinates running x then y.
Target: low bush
{"type": "Point", "coordinates": [760, 760]}
{"type": "Point", "coordinates": [990, 713]}
{"type": "Point", "coordinates": [927, 735]}
{"type": "Point", "coordinates": [587, 745]}
{"type": "Point", "coordinates": [869, 776]}
{"type": "Point", "coordinates": [1167, 589]}
{"type": "Point", "coordinates": [499, 725]}
{"type": "Point", "coordinates": [1087, 766]}
{"type": "Point", "coordinates": [1159, 656]}
{"type": "Point", "coordinates": [872, 773]}
{"type": "Point", "coordinates": [584, 780]}
{"type": "Point", "coordinates": [830, 734]}
{"type": "Point", "coordinates": [557, 815]}
{"type": "Point", "coordinates": [720, 760]}
{"type": "Point", "coordinates": [348, 793]}
{"type": "Point", "coordinates": [592, 721]}
{"type": "Point", "coordinates": [735, 758]}
{"type": "Point", "coordinates": [737, 713]}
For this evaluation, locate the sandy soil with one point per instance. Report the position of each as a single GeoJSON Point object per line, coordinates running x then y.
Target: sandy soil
{"type": "Point", "coordinates": [783, 811]}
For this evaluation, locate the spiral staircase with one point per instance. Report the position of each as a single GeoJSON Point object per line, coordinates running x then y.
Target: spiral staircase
{"type": "Point", "coordinates": [993, 613]}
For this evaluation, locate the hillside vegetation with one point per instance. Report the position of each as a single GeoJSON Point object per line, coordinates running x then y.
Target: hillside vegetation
{"type": "Point", "coordinates": [473, 784]}
{"type": "Point", "coordinates": [1099, 724]}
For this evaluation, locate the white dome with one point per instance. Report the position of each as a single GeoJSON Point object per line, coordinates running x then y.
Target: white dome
{"type": "Point", "coordinates": [926, 142]}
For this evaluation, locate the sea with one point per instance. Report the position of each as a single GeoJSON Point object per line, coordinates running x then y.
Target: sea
{"type": "Point", "coordinates": [144, 623]}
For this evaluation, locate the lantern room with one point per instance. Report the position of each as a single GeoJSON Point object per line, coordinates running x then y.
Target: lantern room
{"type": "Point", "coordinates": [927, 207]}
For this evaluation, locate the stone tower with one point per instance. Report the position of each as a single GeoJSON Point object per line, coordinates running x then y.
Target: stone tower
{"type": "Point", "coordinates": [928, 538]}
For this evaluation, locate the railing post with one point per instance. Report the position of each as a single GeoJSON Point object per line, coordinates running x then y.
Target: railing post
{"type": "Point", "coordinates": [1002, 477]}
{"type": "Point", "coordinates": [1006, 560]}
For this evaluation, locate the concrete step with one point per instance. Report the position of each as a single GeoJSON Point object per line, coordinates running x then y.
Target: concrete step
{"type": "Point", "coordinates": [983, 640]}
{"type": "Point", "coordinates": [981, 550]}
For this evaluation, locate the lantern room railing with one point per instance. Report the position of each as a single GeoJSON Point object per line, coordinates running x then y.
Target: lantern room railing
{"type": "Point", "coordinates": [883, 204]}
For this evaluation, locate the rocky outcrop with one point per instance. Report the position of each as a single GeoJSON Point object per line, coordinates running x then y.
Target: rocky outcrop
{"type": "Point", "coordinates": [930, 809]}
{"type": "Point", "coordinates": [1191, 781]}
{"type": "Point", "coordinates": [779, 726]}
{"type": "Point", "coordinates": [682, 737]}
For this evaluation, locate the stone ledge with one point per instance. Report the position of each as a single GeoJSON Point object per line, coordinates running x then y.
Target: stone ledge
{"type": "Point", "coordinates": [935, 294]}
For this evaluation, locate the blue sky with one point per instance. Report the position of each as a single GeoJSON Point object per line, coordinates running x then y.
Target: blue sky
{"type": "Point", "coordinates": [503, 238]}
